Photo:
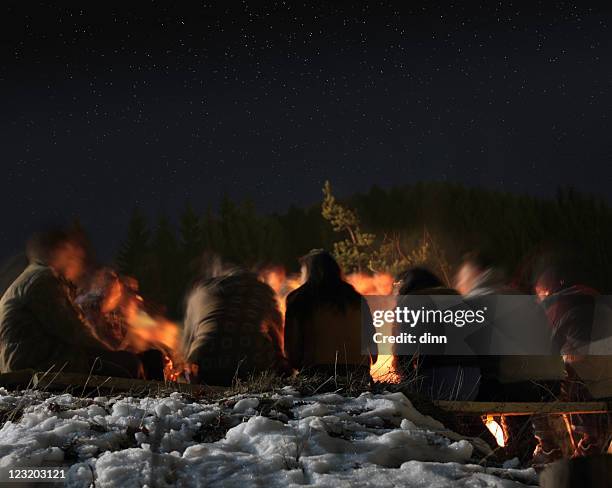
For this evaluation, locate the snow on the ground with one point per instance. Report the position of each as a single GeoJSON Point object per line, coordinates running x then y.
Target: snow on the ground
{"type": "Point", "coordinates": [273, 440]}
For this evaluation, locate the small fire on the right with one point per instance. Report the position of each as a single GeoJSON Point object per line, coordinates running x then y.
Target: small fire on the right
{"type": "Point", "coordinates": [496, 429]}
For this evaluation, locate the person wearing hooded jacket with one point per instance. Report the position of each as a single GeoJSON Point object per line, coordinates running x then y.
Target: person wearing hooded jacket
{"type": "Point", "coordinates": [323, 322]}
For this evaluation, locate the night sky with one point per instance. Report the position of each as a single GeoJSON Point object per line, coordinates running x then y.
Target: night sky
{"type": "Point", "coordinates": [111, 106]}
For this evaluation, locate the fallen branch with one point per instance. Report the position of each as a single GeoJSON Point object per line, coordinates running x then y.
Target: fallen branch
{"type": "Point", "coordinates": [523, 408]}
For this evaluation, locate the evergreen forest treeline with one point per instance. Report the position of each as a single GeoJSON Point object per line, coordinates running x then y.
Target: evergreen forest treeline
{"type": "Point", "coordinates": [511, 229]}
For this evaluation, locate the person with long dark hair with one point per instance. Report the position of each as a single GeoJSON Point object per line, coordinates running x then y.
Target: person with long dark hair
{"type": "Point", "coordinates": [323, 321]}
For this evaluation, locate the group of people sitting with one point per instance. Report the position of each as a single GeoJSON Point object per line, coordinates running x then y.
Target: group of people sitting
{"type": "Point", "coordinates": [233, 328]}
{"type": "Point", "coordinates": [569, 373]}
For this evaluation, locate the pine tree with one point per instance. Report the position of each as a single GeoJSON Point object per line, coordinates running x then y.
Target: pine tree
{"type": "Point", "coordinates": [133, 251]}
{"type": "Point", "coordinates": [351, 252]}
{"type": "Point", "coordinates": [190, 234]}
{"type": "Point", "coordinates": [210, 232]}
{"type": "Point", "coordinates": [164, 243]}
{"type": "Point", "coordinates": [165, 279]}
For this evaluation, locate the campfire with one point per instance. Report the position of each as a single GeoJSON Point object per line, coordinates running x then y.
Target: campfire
{"type": "Point", "coordinates": [123, 320]}
{"type": "Point", "coordinates": [496, 429]}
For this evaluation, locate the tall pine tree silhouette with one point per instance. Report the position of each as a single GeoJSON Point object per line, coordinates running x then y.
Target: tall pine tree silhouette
{"type": "Point", "coordinates": [511, 228]}
{"type": "Point", "coordinates": [190, 234]}
{"type": "Point", "coordinates": [164, 284]}
{"type": "Point", "coordinates": [132, 257]}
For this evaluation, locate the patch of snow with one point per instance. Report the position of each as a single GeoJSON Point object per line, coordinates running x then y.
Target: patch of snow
{"type": "Point", "coordinates": [245, 405]}
{"type": "Point", "coordinates": [323, 440]}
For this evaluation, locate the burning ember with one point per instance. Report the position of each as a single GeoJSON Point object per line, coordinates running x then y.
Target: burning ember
{"type": "Point", "coordinates": [378, 284]}
{"type": "Point", "coordinates": [496, 430]}
{"type": "Point", "coordinates": [123, 321]}
{"type": "Point", "coordinates": [384, 369]}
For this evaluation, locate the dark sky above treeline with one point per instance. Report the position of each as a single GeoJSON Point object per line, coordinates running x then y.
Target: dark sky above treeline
{"type": "Point", "coordinates": [108, 105]}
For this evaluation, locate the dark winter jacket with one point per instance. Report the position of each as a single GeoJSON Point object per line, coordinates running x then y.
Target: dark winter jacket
{"type": "Point", "coordinates": [40, 327]}
{"type": "Point", "coordinates": [323, 328]}
{"type": "Point", "coordinates": [233, 328]}
{"type": "Point", "coordinates": [439, 359]}
{"type": "Point", "coordinates": [514, 369]}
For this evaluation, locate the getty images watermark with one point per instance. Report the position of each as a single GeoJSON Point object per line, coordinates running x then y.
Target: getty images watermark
{"type": "Point", "coordinates": [487, 325]}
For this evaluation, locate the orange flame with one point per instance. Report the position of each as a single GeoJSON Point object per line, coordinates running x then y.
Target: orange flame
{"type": "Point", "coordinates": [141, 329]}
{"type": "Point", "coordinates": [496, 430]}
{"type": "Point", "coordinates": [376, 284]}
{"type": "Point", "coordinates": [384, 369]}
{"type": "Point", "coordinates": [282, 283]}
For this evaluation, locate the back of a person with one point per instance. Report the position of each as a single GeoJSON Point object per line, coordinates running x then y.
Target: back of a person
{"type": "Point", "coordinates": [571, 314]}
{"type": "Point", "coordinates": [514, 377]}
{"type": "Point", "coordinates": [10, 270]}
{"type": "Point", "coordinates": [232, 328]}
{"type": "Point", "coordinates": [42, 328]}
{"type": "Point", "coordinates": [520, 375]}
{"type": "Point", "coordinates": [22, 336]}
{"type": "Point", "coordinates": [438, 373]}
{"type": "Point", "coordinates": [323, 321]}
{"type": "Point", "coordinates": [333, 336]}
{"type": "Point", "coordinates": [323, 329]}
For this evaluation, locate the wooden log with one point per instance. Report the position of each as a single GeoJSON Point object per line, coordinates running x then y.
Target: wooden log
{"type": "Point", "coordinates": [523, 408]}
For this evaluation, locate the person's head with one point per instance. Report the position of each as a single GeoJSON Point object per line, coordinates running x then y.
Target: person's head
{"type": "Point", "coordinates": [555, 272]}
{"type": "Point", "coordinates": [416, 279]}
{"type": "Point", "coordinates": [63, 251]}
{"type": "Point", "coordinates": [547, 283]}
{"type": "Point", "coordinates": [320, 267]}
{"type": "Point", "coordinates": [471, 269]}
